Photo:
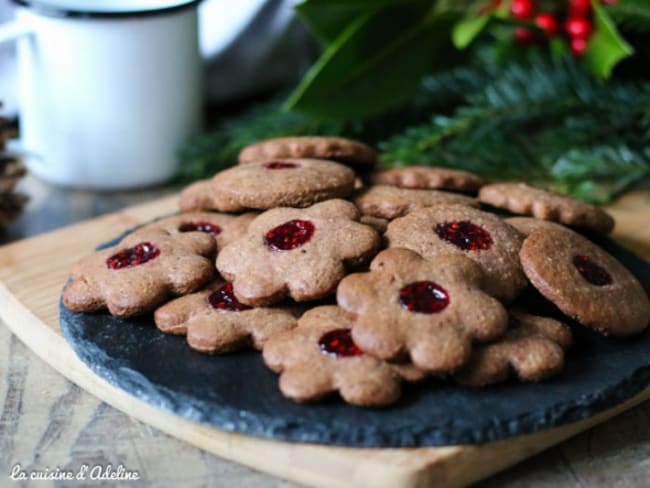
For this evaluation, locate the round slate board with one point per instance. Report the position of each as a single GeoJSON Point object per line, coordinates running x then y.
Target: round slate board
{"type": "Point", "coordinates": [236, 392]}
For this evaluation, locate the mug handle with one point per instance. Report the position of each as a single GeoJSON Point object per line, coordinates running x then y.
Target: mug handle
{"type": "Point", "coordinates": [13, 30]}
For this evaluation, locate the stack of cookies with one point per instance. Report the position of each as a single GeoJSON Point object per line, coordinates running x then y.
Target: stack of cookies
{"type": "Point", "coordinates": [354, 281]}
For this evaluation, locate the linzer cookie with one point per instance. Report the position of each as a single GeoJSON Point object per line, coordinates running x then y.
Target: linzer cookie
{"type": "Point", "coordinates": [428, 177]}
{"type": "Point", "coordinates": [520, 198]}
{"type": "Point", "coordinates": [301, 253]}
{"type": "Point", "coordinates": [319, 358]}
{"type": "Point", "coordinates": [585, 282]}
{"type": "Point", "coordinates": [429, 310]}
{"type": "Point", "coordinates": [345, 151]}
{"type": "Point", "coordinates": [140, 273]}
{"type": "Point", "coordinates": [532, 348]}
{"type": "Point", "coordinates": [457, 229]}
{"type": "Point", "coordinates": [216, 322]}
{"type": "Point", "coordinates": [280, 183]}
{"type": "Point", "coordinates": [223, 227]}
{"type": "Point", "coordinates": [390, 202]}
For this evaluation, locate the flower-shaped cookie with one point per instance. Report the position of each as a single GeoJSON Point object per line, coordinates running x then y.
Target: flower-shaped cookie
{"type": "Point", "coordinates": [390, 202]}
{"type": "Point", "coordinates": [140, 273]}
{"type": "Point", "coordinates": [270, 184]}
{"type": "Point", "coordinates": [431, 310]}
{"type": "Point", "coordinates": [301, 253]}
{"type": "Point", "coordinates": [319, 357]}
{"type": "Point", "coordinates": [216, 322]}
{"type": "Point", "coordinates": [225, 228]}
{"type": "Point", "coordinates": [457, 229]}
{"type": "Point", "coordinates": [520, 198]}
{"type": "Point", "coordinates": [532, 348]}
{"type": "Point", "coordinates": [431, 177]}
{"type": "Point", "coordinates": [585, 282]}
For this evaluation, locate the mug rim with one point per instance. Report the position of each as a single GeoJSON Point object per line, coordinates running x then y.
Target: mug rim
{"type": "Point", "coordinates": [49, 10]}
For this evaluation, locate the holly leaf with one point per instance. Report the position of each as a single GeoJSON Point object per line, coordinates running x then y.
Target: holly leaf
{"type": "Point", "coordinates": [468, 29]}
{"type": "Point", "coordinates": [376, 62]}
{"type": "Point", "coordinates": [631, 15]}
{"type": "Point", "coordinates": [606, 46]}
{"type": "Point", "coordinates": [328, 18]}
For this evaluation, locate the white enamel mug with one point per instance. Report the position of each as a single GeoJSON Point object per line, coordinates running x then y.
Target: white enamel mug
{"type": "Point", "coordinates": [109, 89]}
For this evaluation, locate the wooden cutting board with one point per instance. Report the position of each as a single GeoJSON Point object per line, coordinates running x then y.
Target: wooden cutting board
{"type": "Point", "coordinates": [33, 271]}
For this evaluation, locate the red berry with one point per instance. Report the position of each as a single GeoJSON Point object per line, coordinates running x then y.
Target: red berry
{"type": "Point", "coordinates": [522, 9]}
{"type": "Point", "coordinates": [591, 272]}
{"type": "Point", "coordinates": [224, 299]}
{"type": "Point", "coordinates": [579, 8]}
{"type": "Point", "coordinates": [207, 227]}
{"type": "Point", "coordinates": [280, 165]}
{"type": "Point", "coordinates": [133, 256]}
{"type": "Point", "coordinates": [424, 297]}
{"type": "Point", "coordinates": [548, 23]}
{"type": "Point", "coordinates": [338, 343]}
{"type": "Point", "coordinates": [524, 35]}
{"type": "Point", "coordinates": [578, 27]}
{"type": "Point", "coordinates": [578, 46]}
{"type": "Point", "coordinates": [289, 235]}
{"type": "Point", "coordinates": [465, 235]}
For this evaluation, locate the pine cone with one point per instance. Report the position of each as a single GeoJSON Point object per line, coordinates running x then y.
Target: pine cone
{"type": "Point", "coordinates": [11, 170]}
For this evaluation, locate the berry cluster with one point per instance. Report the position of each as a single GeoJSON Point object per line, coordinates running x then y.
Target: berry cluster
{"type": "Point", "coordinates": [577, 27]}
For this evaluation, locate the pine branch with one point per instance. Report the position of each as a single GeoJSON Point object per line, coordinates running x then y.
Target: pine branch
{"type": "Point", "coordinates": [542, 122]}
{"type": "Point", "coordinates": [534, 119]}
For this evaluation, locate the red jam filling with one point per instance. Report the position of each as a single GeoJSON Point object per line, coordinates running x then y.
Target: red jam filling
{"type": "Point", "coordinates": [465, 235]}
{"type": "Point", "coordinates": [134, 256]}
{"type": "Point", "coordinates": [207, 227]}
{"type": "Point", "coordinates": [289, 235]}
{"type": "Point", "coordinates": [424, 297]}
{"type": "Point", "coordinates": [591, 272]}
{"type": "Point", "coordinates": [338, 343]}
{"type": "Point", "coordinates": [280, 165]}
{"type": "Point", "coordinates": [224, 299]}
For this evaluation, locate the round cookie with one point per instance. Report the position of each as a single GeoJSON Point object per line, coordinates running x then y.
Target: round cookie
{"type": "Point", "coordinates": [523, 199]}
{"type": "Point", "coordinates": [319, 358]}
{"type": "Point", "coordinates": [457, 229]}
{"type": "Point", "coordinates": [428, 177]}
{"type": "Point", "coordinates": [301, 253]}
{"type": "Point", "coordinates": [532, 348]}
{"type": "Point", "coordinates": [390, 202]}
{"type": "Point", "coordinates": [280, 183]}
{"type": "Point", "coordinates": [345, 151]}
{"type": "Point", "coordinates": [215, 322]}
{"type": "Point", "coordinates": [223, 227]}
{"type": "Point", "coordinates": [585, 282]}
{"type": "Point", "coordinates": [141, 272]}
{"type": "Point", "coordinates": [430, 311]}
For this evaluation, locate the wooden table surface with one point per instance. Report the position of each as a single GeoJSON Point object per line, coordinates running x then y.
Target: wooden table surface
{"type": "Point", "coordinates": [47, 422]}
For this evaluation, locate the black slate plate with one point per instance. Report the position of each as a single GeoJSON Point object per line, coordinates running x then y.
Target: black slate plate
{"type": "Point", "coordinates": [237, 393]}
